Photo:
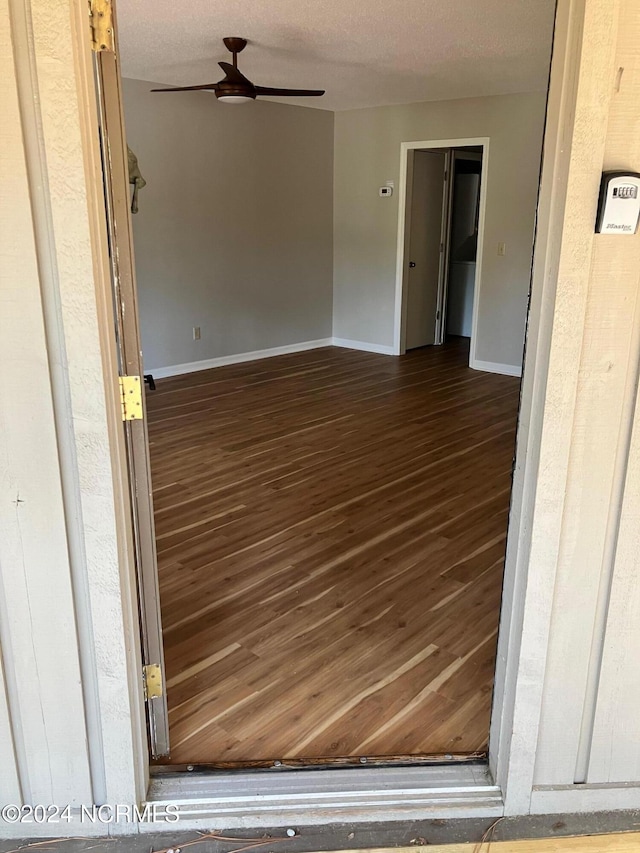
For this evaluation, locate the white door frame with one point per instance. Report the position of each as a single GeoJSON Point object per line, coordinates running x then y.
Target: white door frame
{"type": "Point", "coordinates": [388, 793]}
{"type": "Point", "coordinates": [542, 457]}
{"type": "Point", "coordinates": [443, 284]}
{"type": "Point", "coordinates": [125, 300]}
{"type": "Point", "coordinates": [404, 201]}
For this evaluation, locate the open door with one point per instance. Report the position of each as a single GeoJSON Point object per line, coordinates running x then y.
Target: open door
{"type": "Point", "coordinates": [116, 179]}
{"type": "Point", "coordinates": [427, 242]}
{"type": "Point", "coordinates": [461, 245]}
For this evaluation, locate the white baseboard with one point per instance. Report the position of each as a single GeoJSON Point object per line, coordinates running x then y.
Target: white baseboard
{"type": "Point", "coordinates": [363, 345]}
{"type": "Point", "coordinates": [495, 367]}
{"type": "Point", "coordinates": [238, 358]}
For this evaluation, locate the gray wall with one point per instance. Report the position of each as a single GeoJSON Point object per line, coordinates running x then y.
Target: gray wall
{"type": "Point", "coordinates": [217, 173]}
{"type": "Point", "coordinates": [234, 232]}
{"type": "Point", "coordinates": [367, 153]}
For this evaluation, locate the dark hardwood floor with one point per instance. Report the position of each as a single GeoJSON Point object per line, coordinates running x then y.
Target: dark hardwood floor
{"type": "Point", "coordinates": [331, 530]}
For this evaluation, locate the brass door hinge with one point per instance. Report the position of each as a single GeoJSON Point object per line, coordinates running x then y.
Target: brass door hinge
{"type": "Point", "coordinates": [152, 681]}
{"type": "Point", "coordinates": [131, 398]}
{"type": "Point", "coordinates": [101, 22]}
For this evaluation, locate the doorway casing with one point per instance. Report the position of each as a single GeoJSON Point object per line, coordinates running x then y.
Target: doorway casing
{"type": "Point", "coordinates": [404, 205]}
{"type": "Point", "coordinates": [387, 792]}
{"type": "Point", "coordinates": [502, 784]}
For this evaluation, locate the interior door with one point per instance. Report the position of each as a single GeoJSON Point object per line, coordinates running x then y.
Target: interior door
{"type": "Point", "coordinates": [426, 247]}
{"type": "Point", "coordinates": [462, 244]}
{"type": "Point", "coordinates": [116, 179]}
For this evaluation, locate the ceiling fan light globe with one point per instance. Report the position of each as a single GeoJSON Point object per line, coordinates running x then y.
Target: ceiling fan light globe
{"type": "Point", "coordinates": [234, 99]}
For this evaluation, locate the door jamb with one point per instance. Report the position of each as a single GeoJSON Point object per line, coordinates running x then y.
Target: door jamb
{"type": "Point", "coordinates": [131, 773]}
{"type": "Point", "coordinates": [117, 203]}
{"type": "Point", "coordinates": [443, 296]}
{"type": "Point", "coordinates": [445, 261]}
{"type": "Point", "coordinates": [404, 207]}
{"type": "Point", "coordinates": [509, 765]}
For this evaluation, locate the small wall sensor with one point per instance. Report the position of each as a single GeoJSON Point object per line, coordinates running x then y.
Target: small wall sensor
{"type": "Point", "coordinates": [619, 203]}
{"type": "Point", "coordinates": [385, 192]}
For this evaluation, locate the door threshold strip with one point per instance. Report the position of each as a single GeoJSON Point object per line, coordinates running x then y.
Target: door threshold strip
{"type": "Point", "coordinates": [346, 762]}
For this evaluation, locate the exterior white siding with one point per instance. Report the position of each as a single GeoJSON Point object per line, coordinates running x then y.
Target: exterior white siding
{"type": "Point", "coordinates": [590, 691]}
{"type": "Point", "coordinates": [67, 625]}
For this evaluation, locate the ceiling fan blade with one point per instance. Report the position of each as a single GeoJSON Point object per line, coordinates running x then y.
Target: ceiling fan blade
{"type": "Point", "coordinates": [205, 86]}
{"type": "Point", "coordinates": [233, 75]}
{"type": "Point", "coordinates": [266, 90]}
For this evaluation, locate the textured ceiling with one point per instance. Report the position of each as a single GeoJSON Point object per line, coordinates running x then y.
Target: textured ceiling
{"type": "Point", "coordinates": [363, 52]}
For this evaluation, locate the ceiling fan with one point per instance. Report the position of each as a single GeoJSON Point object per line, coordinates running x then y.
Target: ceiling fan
{"type": "Point", "coordinates": [235, 87]}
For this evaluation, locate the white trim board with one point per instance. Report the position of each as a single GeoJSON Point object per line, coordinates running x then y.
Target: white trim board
{"type": "Point", "coordinates": [238, 358]}
{"type": "Point", "coordinates": [365, 346]}
{"type": "Point", "coordinates": [494, 367]}
{"type": "Point", "coordinates": [255, 355]}
{"type": "Point", "coordinates": [563, 799]}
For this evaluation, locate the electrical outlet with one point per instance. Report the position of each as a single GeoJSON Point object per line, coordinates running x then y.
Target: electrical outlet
{"type": "Point", "coordinates": [502, 249]}
{"type": "Point", "coordinates": [196, 333]}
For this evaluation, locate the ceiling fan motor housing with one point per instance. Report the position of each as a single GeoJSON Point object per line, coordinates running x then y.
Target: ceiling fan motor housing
{"type": "Point", "coordinates": [233, 90]}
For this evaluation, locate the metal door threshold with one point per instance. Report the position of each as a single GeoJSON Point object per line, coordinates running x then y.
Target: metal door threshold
{"type": "Point", "coordinates": [257, 798]}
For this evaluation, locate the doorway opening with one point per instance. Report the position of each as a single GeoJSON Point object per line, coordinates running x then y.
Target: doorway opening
{"type": "Point", "coordinates": [326, 517]}
{"type": "Point", "coordinates": [325, 521]}
{"type": "Point", "coordinates": [462, 245]}
{"type": "Point", "coordinates": [440, 237]}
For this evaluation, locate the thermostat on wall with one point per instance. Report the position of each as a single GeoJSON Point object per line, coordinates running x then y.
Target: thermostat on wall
{"type": "Point", "coordinates": [619, 203]}
{"type": "Point", "coordinates": [385, 192]}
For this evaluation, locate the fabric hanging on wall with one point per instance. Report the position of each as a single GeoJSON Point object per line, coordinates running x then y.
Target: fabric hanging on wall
{"type": "Point", "coordinates": [135, 178]}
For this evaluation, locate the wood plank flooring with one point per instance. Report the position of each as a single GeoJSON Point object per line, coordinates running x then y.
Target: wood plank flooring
{"type": "Point", "coordinates": [331, 530]}
{"type": "Point", "coordinates": [620, 842]}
